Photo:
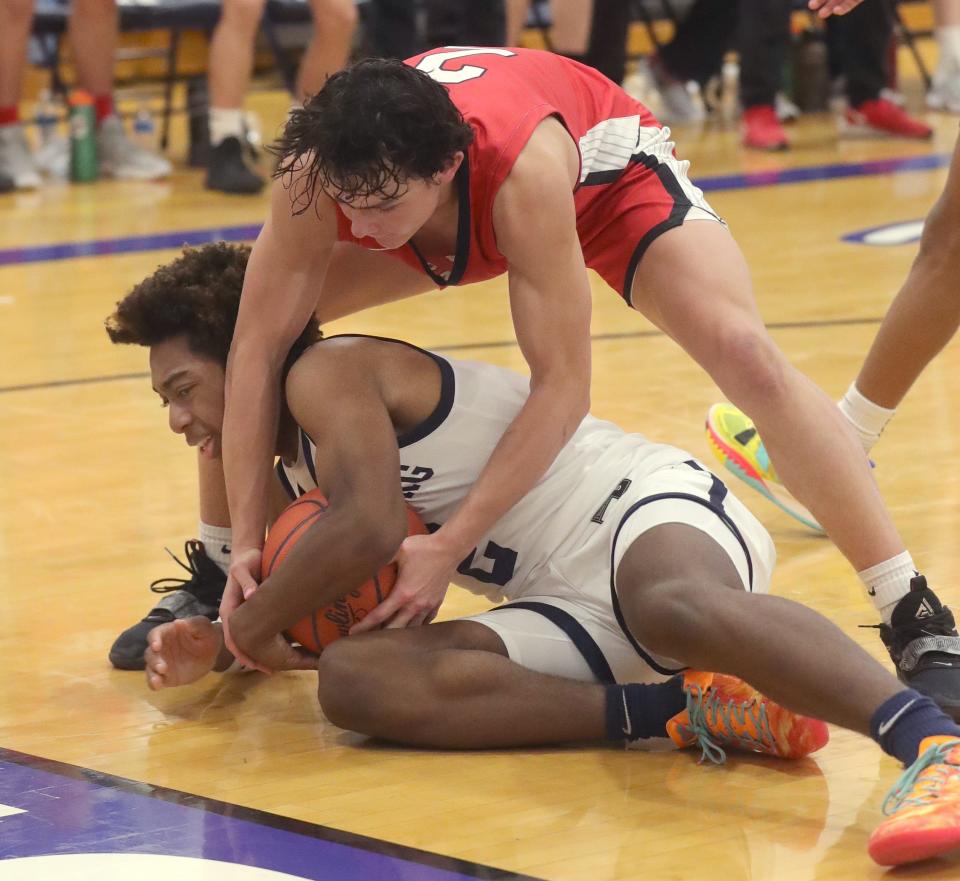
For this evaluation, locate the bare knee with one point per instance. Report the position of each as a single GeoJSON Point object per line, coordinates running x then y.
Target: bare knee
{"type": "Point", "coordinates": [748, 366]}
{"type": "Point", "coordinates": [347, 679]}
{"type": "Point", "coordinates": [664, 617]}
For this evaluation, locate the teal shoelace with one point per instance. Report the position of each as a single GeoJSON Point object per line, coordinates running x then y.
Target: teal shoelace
{"type": "Point", "coordinates": [701, 708]}
{"type": "Point", "coordinates": [898, 795]}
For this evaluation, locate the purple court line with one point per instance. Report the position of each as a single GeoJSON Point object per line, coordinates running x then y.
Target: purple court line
{"type": "Point", "coordinates": [127, 244]}
{"type": "Point", "coordinates": [68, 809]}
{"type": "Point", "coordinates": [776, 177]}
{"type": "Point", "coordinates": [718, 183]}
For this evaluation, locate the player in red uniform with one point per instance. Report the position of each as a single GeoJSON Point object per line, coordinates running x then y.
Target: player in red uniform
{"type": "Point", "coordinates": [461, 164]}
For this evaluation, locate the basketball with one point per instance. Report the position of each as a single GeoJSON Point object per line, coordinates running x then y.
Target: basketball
{"type": "Point", "coordinates": [330, 623]}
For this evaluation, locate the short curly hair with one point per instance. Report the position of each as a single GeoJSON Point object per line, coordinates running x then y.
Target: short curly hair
{"type": "Point", "coordinates": [370, 128]}
{"type": "Point", "coordinates": [196, 296]}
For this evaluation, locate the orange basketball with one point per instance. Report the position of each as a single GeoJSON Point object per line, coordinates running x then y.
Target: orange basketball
{"type": "Point", "coordinates": [330, 623]}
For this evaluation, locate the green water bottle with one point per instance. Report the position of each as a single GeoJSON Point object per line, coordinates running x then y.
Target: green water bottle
{"type": "Point", "coordinates": [83, 140]}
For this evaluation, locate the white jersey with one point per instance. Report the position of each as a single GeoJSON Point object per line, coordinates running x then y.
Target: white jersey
{"type": "Point", "coordinates": [441, 459]}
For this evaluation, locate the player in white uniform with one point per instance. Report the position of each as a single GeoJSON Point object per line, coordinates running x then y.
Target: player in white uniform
{"type": "Point", "coordinates": [604, 489]}
{"type": "Point", "coordinates": [626, 562]}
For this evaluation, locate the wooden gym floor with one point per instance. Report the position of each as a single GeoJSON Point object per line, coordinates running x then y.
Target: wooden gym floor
{"type": "Point", "coordinates": [94, 485]}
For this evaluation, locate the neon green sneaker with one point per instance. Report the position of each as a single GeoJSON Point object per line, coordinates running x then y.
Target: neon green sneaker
{"type": "Point", "coordinates": [736, 443]}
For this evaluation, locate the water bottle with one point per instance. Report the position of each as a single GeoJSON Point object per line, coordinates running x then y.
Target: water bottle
{"type": "Point", "coordinates": [144, 130]}
{"type": "Point", "coordinates": [46, 118]}
{"type": "Point", "coordinates": [811, 74]}
{"type": "Point", "coordinates": [83, 140]}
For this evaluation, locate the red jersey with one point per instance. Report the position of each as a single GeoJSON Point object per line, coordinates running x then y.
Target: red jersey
{"type": "Point", "coordinates": [504, 94]}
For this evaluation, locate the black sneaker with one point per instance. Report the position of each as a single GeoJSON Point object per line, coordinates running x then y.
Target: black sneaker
{"type": "Point", "coordinates": [924, 644]}
{"type": "Point", "coordinates": [227, 172]}
{"type": "Point", "coordinates": [6, 184]}
{"type": "Point", "coordinates": [198, 595]}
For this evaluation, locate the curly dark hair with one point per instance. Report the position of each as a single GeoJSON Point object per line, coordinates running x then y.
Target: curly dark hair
{"type": "Point", "coordinates": [197, 296]}
{"type": "Point", "coordinates": [369, 129]}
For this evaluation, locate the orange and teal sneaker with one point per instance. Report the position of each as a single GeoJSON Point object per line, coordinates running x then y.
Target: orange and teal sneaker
{"type": "Point", "coordinates": [723, 711]}
{"type": "Point", "coordinates": [923, 807]}
{"type": "Point", "coordinates": [736, 443]}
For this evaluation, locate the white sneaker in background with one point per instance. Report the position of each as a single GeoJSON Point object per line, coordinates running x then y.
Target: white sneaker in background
{"type": "Point", "coordinates": [123, 159]}
{"type": "Point", "coordinates": [680, 102]}
{"type": "Point", "coordinates": [944, 93]}
{"type": "Point", "coordinates": [785, 109]}
{"type": "Point", "coordinates": [16, 160]}
{"type": "Point", "coordinates": [53, 158]}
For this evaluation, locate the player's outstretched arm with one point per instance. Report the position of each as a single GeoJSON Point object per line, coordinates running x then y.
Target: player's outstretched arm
{"type": "Point", "coordinates": [550, 300]}
{"type": "Point", "coordinates": [334, 396]}
{"type": "Point", "coordinates": [535, 224]}
{"type": "Point", "coordinates": [283, 279]}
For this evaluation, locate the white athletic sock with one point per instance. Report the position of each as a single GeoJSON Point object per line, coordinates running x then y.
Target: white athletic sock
{"type": "Point", "coordinates": [868, 419]}
{"type": "Point", "coordinates": [888, 582]}
{"type": "Point", "coordinates": [948, 44]}
{"type": "Point", "coordinates": [216, 542]}
{"type": "Point", "coordinates": [225, 122]}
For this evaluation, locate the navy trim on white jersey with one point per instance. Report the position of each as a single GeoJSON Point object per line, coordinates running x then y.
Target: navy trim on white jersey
{"type": "Point", "coordinates": [284, 481]}
{"type": "Point", "coordinates": [582, 640]}
{"type": "Point", "coordinates": [307, 457]}
{"type": "Point", "coordinates": [448, 385]}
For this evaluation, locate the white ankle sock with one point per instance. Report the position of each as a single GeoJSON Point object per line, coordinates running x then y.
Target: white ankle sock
{"type": "Point", "coordinates": [225, 122]}
{"type": "Point", "coordinates": [948, 45]}
{"type": "Point", "coordinates": [868, 419]}
{"type": "Point", "coordinates": [216, 542]}
{"type": "Point", "coordinates": [888, 582]}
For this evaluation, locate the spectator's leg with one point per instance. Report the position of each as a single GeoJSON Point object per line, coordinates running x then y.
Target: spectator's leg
{"type": "Point", "coordinates": [230, 68]}
{"type": "Point", "coordinates": [607, 50]}
{"type": "Point", "coordinates": [516, 17]}
{"type": "Point", "coordinates": [701, 39]}
{"type": "Point", "coordinates": [570, 32]}
{"type": "Point", "coordinates": [945, 91]}
{"type": "Point", "coordinates": [334, 22]}
{"type": "Point", "coordinates": [16, 162]}
{"type": "Point", "coordinates": [393, 28]}
{"type": "Point", "coordinates": [864, 35]}
{"type": "Point", "coordinates": [764, 39]}
{"type": "Point", "coordinates": [15, 17]}
{"type": "Point", "coordinates": [231, 53]}
{"type": "Point", "coordinates": [484, 23]}
{"type": "Point", "coordinates": [94, 30]}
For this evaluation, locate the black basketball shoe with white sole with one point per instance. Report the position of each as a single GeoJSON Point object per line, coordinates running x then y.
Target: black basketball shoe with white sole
{"type": "Point", "coordinates": [924, 644]}
{"type": "Point", "coordinates": [199, 594]}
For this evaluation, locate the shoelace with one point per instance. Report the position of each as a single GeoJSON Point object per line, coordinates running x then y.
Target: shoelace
{"type": "Point", "coordinates": [191, 549]}
{"type": "Point", "coordinates": [929, 787]}
{"type": "Point", "coordinates": [701, 707]}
